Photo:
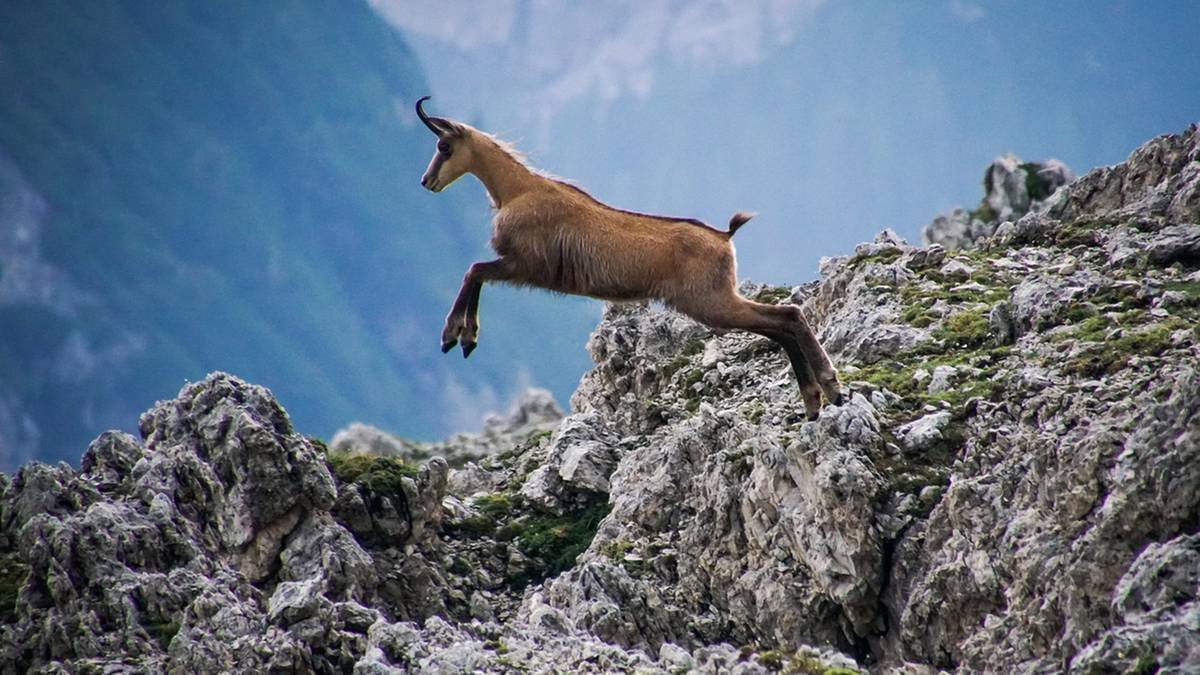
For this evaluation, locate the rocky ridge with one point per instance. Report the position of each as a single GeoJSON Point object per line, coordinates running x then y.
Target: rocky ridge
{"type": "Point", "coordinates": [1012, 486]}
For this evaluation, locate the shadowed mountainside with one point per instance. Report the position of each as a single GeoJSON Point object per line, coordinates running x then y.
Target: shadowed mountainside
{"type": "Point", "coordinates": [192, 186]}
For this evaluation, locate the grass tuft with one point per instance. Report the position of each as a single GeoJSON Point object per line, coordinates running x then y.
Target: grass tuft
{"type": "Point", "coordinates": [382, 476]}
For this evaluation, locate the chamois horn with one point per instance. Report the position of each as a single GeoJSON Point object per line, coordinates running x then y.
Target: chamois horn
{"type": "Point", "coordinates": [424, 117]}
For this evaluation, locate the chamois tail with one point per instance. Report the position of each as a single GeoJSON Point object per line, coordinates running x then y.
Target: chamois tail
{"type": "Point", "coordinates": [739, 219]}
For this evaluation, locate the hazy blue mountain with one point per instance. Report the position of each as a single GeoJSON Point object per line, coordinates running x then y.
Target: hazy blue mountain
{"type": "Point", "coordinates": [191, 186]}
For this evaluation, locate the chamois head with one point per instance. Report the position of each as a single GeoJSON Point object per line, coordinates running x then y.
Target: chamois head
{"type": "Point", "coordinates": [452, 157]}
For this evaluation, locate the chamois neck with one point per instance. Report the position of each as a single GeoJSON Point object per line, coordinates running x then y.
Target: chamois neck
{"type": "Point", "coordinates": [504, 176]}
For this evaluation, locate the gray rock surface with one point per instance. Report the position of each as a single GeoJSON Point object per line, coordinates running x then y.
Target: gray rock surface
{"type": "Point", "coordinates": [1013, 485]}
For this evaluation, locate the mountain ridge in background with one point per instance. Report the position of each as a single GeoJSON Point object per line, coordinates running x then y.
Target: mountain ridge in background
{"type": "Point", "coordinates": [191, 186]}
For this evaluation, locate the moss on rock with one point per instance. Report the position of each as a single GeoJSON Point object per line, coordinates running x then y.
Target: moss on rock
{"type": "Point", "coordinates": [382, 476]}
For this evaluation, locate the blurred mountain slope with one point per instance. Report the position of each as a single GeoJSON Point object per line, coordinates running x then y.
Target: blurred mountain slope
{"type": "Point", "coordinates": [227, 186]}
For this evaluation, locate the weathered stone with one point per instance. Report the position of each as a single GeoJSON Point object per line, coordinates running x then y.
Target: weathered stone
{"type": "Point", "coordinates": [1030, 508]}
{"type": "Point", "coordinates": [1012, 189]}
{"type": "Point", "coordinates": [924, 433]}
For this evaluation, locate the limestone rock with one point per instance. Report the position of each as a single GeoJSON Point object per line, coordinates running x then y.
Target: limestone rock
{"type": "Point", "coordinates": [1010, 485]}
{"type": "Point", "coordinates": [1012, 189]}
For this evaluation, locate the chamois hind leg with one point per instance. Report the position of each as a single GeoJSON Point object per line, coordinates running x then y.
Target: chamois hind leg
{"type": "Point", "coordinates": [794, 324]}
{"type": "Point", "coordinates": [734, 311]}
{"type": "Point", "coordinates": [462, 323]}
{"type": "Point", "coordinates": [809, 391]}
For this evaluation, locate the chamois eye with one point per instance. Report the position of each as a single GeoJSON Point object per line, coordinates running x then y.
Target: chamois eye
{"type": "Point", "coordinates": [443, 147]}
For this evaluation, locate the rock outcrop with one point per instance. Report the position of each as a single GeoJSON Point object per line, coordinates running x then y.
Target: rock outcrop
{"type": "Point", "coordinates": [1011, 188]}
{"type": "Point", "coordinates": [1013, 485]}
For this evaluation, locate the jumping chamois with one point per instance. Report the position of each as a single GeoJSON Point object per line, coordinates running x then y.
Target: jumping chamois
{"type": "Point", "coordinates": [553, 235]}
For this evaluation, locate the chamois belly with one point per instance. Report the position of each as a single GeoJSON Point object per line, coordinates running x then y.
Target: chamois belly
{"type": "Point", "coordinates": [597, 266]}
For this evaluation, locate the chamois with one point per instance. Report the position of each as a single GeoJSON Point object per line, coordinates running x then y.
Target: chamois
{"type": "Point", "coordinates": [553, 235]}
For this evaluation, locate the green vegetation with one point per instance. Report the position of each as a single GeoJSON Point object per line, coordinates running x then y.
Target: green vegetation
{"type": "Point", "coordinates": [735, 456]}
{"type": "Point", "coordinates": [965, 329]}
{"type": "Point", "coordinates": [984, 212]}
{"type": "Point", "coordinates": [162, 630]}
{"type": "Point", "coordinates": [458, 566]}
{"type": "Point", "coordinates": [1114, 325]}
{"type": "Point", "coordinates": [553, 542]}
{"type": "Point", "coordinates": [918, 315]}
{"type": "Point", "coordinates": [1189, 288]}
{"type": "Point", "coordinates": [381, 476]}
{"type": "Point", "coordinates": [981, 363]}
{"type": "Point", "coordinates": [12, 576]}
{"type": "Point", "coordinates": [920, 300]}
{"type": "Point", "coordinates": [884, 257]}
{"type": "Point", "coordinates": [531, 441]}
{"type": "Point", "coordinates": [495, 505]}
{"type": "Point", "coordinates": [1036, 187]}
{"type": "Point", "coordinates": [493, 509]}
{"type": "Point", "coordinates": [1118, 297]}
{"type": "Point", "coordinates": [687, 381]}
{"type": "Point", "coordinates": [616, 550]}
{"type": "Point", "coordinates": [897, 375]}
{"type": "Point", "coordinates": [1146, 664]}
{"type": "Point", "coordinates": [799, 663]}
{"type": "Point", "coordinates": [1083, 231]}
{"type": "Point", "coordinates": [755, 411]}
{"type": "Point", "coordinates": [684, 357]}
{"type": "Point", "coordinates": [497, 646]}
{"type": "Point", "coordinates": [774, 294]}
{"type": "Point", "coordinates": [1112, 355]}
{"type": "Point", "coordinates": [771, 660]}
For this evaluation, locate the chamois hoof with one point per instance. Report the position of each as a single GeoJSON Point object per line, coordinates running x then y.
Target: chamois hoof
{"type": "Point", "coordinates": [468, 347]}
{"type": "Point", "coordinates": [447, 346]}
{"type": "Point", "coordinates": [812, 416]}
{"type": "Point", "coordinates": [839, 399]}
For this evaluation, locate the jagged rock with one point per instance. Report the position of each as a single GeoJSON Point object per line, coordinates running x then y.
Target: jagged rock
{"type": "Point", "coordinates": [923, 433]}
{"type": "Point", "coordinates": [1012, 189]}
{"type": "Point", "coordinates": [533, 411]}
{"type": "Point", "coordinates": [941, 379]}
{"type": "Point", "coordinates": [930, 256]}
{"type": "Point", "coordinates": [1000, 323]}
{"type": "Point", "coordinates": [957, 230]}
{"type": "Point", "coordinates": [359, 437]}
{"type": "Point", "coordinates": [1009, 486]}
{"type": "Point", "coordinates": [1039, 301]}
{"type": "Point", "coordinates": [579, 459]}
{"type": "Point", "coordinates": [1161, 178]}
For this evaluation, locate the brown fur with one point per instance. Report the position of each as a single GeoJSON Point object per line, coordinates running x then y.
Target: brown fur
{"type": "Point", "coordinates": [555, 236]}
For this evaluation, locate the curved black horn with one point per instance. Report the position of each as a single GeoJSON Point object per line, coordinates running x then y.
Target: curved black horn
{"type": "Point", "coordinates": [424, 117]}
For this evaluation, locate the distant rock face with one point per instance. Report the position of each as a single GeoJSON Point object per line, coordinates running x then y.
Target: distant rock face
{"type": "Point", "coordinates": [1011, 189]}
{"type": "Point", "coordinates": [534, 410]}
{"type": "Point", "coordinates": [1013, 485]}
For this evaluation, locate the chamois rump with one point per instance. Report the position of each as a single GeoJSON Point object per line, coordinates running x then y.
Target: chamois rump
{"type": "Point", "coordinates": [553, 235]}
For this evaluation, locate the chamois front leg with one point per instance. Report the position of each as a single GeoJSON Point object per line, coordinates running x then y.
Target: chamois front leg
{"type": "Point", "coordinates": [462, 323]}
